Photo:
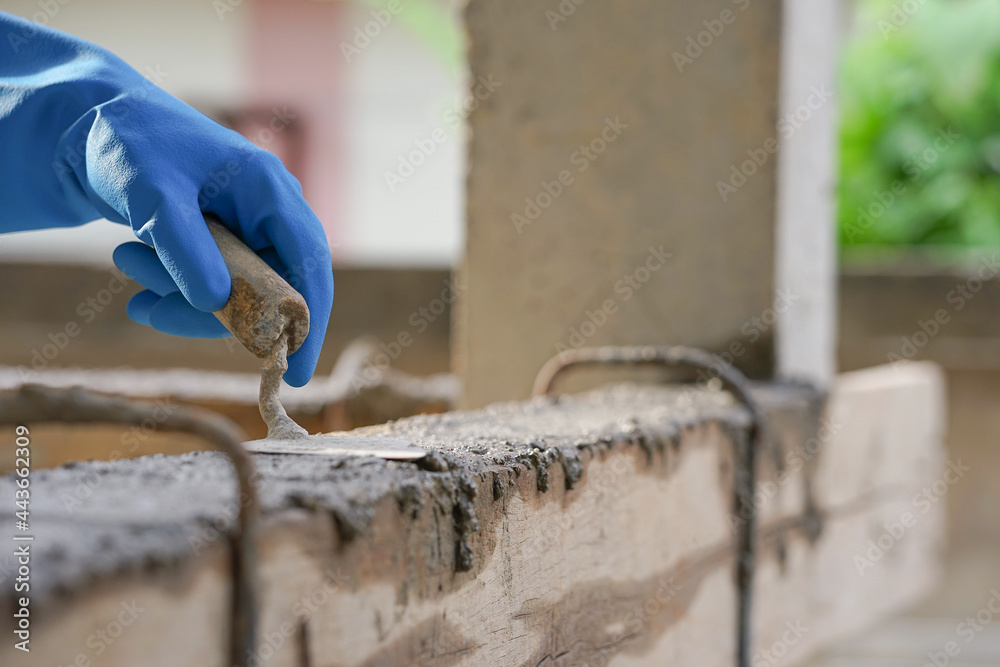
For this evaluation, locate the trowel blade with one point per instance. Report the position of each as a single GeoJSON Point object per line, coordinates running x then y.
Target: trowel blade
{"type": "Point", "coordinates": [391, 449]}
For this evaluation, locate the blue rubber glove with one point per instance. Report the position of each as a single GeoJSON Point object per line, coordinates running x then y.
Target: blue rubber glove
{"type": "Point", "coordinates": [84, 136]}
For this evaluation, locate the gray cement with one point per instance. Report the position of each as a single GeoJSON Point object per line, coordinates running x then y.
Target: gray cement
{"type": "Point", "coordinates": [96, 520]}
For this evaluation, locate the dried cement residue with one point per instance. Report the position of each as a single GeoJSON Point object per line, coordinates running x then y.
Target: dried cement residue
{"type": "Point", "coordinates": [279, 424]}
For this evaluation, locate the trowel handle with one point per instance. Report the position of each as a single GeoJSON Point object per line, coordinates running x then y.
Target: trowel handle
{"type": "Point", "coordinates": [262, 307]}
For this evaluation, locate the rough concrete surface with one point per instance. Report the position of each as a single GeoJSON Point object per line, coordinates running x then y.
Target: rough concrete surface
{"type": "Point", "coordinates": [535, 533]}
{"type": "Point", "coordinates": [141, 513]}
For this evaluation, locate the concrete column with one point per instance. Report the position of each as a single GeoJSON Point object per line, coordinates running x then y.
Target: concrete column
{"type": "Point", "coordinates": [806, 220]}
{"type": "Point", "coordinates": [623, 185]}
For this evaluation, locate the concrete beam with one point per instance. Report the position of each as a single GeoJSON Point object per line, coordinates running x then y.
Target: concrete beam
{"type": "Point", "coordinates": [593, 529]}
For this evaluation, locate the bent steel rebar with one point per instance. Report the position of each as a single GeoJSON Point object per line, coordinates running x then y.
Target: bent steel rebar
{"type": "Point", "coordinates": [745, 450]}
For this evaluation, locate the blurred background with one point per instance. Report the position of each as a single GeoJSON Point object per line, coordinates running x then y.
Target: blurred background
{"type": "Point", "coordinates": [349, 100]}
{"type": "Point", "coordinates": [919, 229]}
{"type": "Point", "coordinates": [369, 118]}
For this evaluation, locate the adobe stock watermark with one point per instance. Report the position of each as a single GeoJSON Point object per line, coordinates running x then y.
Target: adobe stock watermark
{"type": "Point", "coordinates": [899, 16]}
{"type": "Point", "coordinates": [425, 147]}
{"type": "Point", "coordinates": [793, 461]}
{"type": "Point", "coordinates": [419, 320]}
{"type": "Point", "coordinates": [625, 288]}
{"type": "Point", "coordinates": [225, 516]}
{"type": "Point", "coordinates": [550, 533]}
{"type": "Point", "coordinates": [103, 638]}
{"type": "Point", "coordinates": [581, 158]}
{"type": "Point", "coordinates": [295, 274]}
{"type": "Point", "coordinates": [75, 156]}
{"type": "Point", "coordinates": [302, 611]}
{"type": "Point", "coordinates": [47, 10]}
{"type": "Point", "coordinates": [957, 298]}
{"type": "Point", "coordinates": [562, 12]}
{"type": "Point", "coordinates": [697, 44]}
{"type": "Point", "coordinates": [752, 330]}
{"type": "Point", "coordinates": [454, 636]}
{"type": "Point", "coordinates": [224, 7]}
{"type": "Point", "coordinates": [923, 502]}
{"type": "Point", "coordinates": [220, 179]}
{"type": "Point", "coordinates": [967, 630]}
{"type": "Point", "coordinates": [776, 652]}
{"type": "Point", "coordinates": [787, 126]}
{"type": "Point", "coordinates": [279, 121]}
{"type": "Point", "coordinates": [88, 310]}
{"type": "Point", "coordinates": [363, 35]}
{"type": "Point", "coordinates": [638, 618]}
{"type": "Point", "coordinates": [913, 169]}
{"type": "Point", "coordinates": [130, 441]}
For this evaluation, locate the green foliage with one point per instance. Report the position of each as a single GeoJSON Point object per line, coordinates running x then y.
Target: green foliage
{"type": "Point", "coordinates": [909, 81]}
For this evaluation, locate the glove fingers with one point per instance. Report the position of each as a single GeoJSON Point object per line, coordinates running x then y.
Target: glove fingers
{"type": "Point", "coordinates": [139, 262]}
{"type": "Point", "coordinates": [188, 252]}
{"type": "Point", "coordinates": [271, 212]}
{"type": "Point", "coordinates": [140, 304]}
{"type": "Point", "coordinates": [173, 314]}
{"type": "Point", "coordinates": [272, 259]}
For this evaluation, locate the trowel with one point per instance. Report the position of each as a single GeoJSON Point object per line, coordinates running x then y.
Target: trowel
{"type": "Point", "coordinates": [271, 319]}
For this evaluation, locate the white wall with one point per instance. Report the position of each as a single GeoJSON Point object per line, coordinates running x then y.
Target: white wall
{"type": "Point", "coordinates": [400, 93]}
{"type": "Point", "coordinates": [806, 242]}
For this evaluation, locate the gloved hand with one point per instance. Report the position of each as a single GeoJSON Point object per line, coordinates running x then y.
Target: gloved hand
{"type": "Point", "coordinates": [85, 136]}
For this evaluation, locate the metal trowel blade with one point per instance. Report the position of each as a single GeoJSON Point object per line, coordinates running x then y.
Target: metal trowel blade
{"type": "Point", "coordinates": [391, 449]}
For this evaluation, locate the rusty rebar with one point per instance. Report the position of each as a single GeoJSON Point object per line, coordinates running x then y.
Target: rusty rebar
{"type": "Point", "coordinates": [36, 403]}
{"type": "Point", "coordinates": [744, 451]}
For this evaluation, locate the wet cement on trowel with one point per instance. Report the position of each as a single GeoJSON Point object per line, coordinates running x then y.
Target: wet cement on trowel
{"type": "Point", "coordinates": [155, 513]}
{"type": "Point", "coordinates": [279, 425]}
{"type": "Point", "coordinates": [284, 436]}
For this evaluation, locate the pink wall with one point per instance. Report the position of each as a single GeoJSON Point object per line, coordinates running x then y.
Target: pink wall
{"type": "Point", "coordinates": [294, 62]}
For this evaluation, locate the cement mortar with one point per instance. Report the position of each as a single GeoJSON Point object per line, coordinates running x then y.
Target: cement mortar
{"type": "Point", "coordinates": [93, 521]}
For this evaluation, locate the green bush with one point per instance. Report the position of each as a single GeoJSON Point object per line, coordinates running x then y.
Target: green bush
{"type": "Point", "coordinates": [920, 125]}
